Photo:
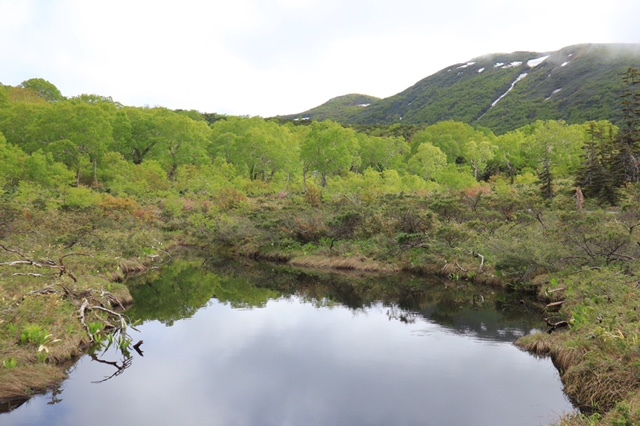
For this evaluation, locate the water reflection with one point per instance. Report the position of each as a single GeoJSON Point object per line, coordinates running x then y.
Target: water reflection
{"type": "Point", "coordinates": [307, 358]}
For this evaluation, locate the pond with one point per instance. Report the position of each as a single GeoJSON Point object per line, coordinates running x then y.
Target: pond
{"type": "Point", "coordinates": [257, 344]}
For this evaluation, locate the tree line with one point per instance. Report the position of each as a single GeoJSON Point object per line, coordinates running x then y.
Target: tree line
{"type": "Point", "coordinates": [93, 141]}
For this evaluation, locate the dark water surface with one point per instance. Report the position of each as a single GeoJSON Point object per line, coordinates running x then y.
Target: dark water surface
{"type": "Point", "coordinates": [267, 347]}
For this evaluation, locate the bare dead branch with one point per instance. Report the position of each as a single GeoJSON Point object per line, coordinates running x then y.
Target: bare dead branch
{"type": "Point", "coordinates": [554, 306]}
{"type": "Point", "coordinates": [112, 298]}
{"type": "Point", "coordinates": [14, 251]}
{"type": "Point", "coordinates": [82, 310]}
{"type": "Point", "coordinates": [126, 363]}
{"type": "Point", "coordinates": [47, 290]}
{"type": "Point", "coordinates": [481, 260]}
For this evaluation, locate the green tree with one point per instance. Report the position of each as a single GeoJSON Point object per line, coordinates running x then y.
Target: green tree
{"type": "Point", "coordinates": [328, 149]}
{"type": "Point", "coordinates": [478, 154]}
{"type": "Point", "coordinates": [553, 143]}
{"type": "Point", "coordinates": [382, 153]}
{"type": "Point", "coordinates": [596, 176]}
{"type": "Point", "coordinates": [144, 133]}
{"type": "Point", "coordinates": [183, 141]}
{"type": "Point", "coordinates": [17, 121]}
{"type": "Point", "coordinates": [12, 159]}
{"type": "Point", "coordinates": [450, 136]}
{"type": "Point", "coordinates": [261, 148]}
{"type": "Point", "coordinates": [85, 126]}
{"type": "Point", "coordinates": [508, 158]}
{"type": "Point", "coordinates": [43, 88]}
{"type": "Point", "coordinates": [628, 141]}
{"type": "Point", "coordinates": [427, 161]}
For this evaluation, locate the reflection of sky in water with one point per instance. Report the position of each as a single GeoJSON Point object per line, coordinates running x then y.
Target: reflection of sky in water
{"type": "Point", "coordinates": [294, 364]}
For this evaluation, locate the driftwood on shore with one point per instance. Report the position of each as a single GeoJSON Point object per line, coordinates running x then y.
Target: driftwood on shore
{"type": "Point", "coordinates": [555, 325]}
{"type": "Point", "coordinates": [554, 306]}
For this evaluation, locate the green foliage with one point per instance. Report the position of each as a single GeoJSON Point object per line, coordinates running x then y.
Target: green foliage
{"type": "Point", "coordinates": [80, 198]}
{"type": "Point", "coordinates": [43, 88]}
{"type": "Point", "coordinates": [329, 149]}
{"type": "Point", "coordinates": [260, 148]}
{"type": "Point", "coordinates": [181, 290]}
{"type": "Point", "coordinates": [10, 363]}
{"type": "Point", "coordinates": [34, 334]}
{"type": "Point", "coordinates": [455, 177]}
{"type": "Point", "coordinates": [427, 161]}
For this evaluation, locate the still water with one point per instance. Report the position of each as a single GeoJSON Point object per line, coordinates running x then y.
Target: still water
{"type": "Point", "coordinates": [265, 347]}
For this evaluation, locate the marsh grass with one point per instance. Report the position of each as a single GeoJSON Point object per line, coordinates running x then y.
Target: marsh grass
{"type": "Point", "coordinates": [599, 355]}
{"type": "Point", "coordinates": [359, 263]}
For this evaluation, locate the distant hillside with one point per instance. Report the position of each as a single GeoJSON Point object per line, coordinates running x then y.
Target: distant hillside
{"type": "Point", "coordinates": [502, 91]}
{"type": "Point", "coordinates": [340, 108]}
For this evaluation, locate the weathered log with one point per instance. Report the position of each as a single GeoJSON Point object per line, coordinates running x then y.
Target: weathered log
{"type": "Point", "coordinates": [555, 325]}
{"type": "Point", "coordinates": [554, 306]}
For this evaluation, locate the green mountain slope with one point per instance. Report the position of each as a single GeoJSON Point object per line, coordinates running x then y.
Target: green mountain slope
{"type": "Point", "coordinates": [506, 91]}
{"type": "Point", "coordinates": [341, 108]}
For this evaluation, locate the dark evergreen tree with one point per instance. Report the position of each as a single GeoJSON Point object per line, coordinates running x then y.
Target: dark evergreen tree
{"type": "Point", "coordinates": [546, 177]}
{"type": "Point", "coordinates": [595, 176]}
{"type": "Point", "coordinates": [627, 160]}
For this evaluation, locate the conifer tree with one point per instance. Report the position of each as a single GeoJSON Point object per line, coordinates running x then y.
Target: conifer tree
{"type": "Point", "coordinates": [627, 161]}
{"type": "Point", "coordinates": [546, 177]}
{"type": "Point", "coordinates": [595, 176]}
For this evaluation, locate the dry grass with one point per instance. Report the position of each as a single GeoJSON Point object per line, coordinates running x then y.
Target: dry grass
{"type": "Point", "coordinates": [132, 266]}
{"type": "Point", "coordinates": [537, 344]}
{"type": "Point", "coordinates": [600, 385]}
{"type": "Point", "coordinates": [359, 263]}
{"type": "Point", "coordinates": [24, 382]}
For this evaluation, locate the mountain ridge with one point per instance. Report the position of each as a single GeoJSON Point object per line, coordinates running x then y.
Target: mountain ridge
{"type": "Point", "coordinates": [501, 91]}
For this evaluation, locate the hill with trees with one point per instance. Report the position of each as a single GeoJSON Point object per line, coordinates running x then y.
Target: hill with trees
{"type": "Point", "coordinates": [504, 91]}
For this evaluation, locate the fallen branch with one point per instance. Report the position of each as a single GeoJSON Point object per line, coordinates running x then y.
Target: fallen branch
{"type": "Point", "coordinates": [555, 325]}
{"type": "Point", "coordinates": [481, 260]}
{"type": "Point", "coordinates": [554, 306]}
{"type": "Point", "coordinates": [47, 290]}
{"type": "Point", "coordinates": [112, 298]}
{"type": "Point", "coordinates": [83, 308]}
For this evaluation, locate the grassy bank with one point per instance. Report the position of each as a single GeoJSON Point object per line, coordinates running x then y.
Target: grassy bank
{"type": "Point", "coordinates": [61, 289]}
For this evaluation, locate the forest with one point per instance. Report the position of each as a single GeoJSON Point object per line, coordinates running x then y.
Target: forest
{"type": "Point", "coordinates": [93, 191]}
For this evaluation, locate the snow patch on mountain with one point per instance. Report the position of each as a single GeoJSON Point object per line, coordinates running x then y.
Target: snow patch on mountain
{"type": "Point", "coordinates": [535, 62]}
{"type": "Point", "coordinates": [513, 64]}
{"type": "Point", "coordinates": [468, 64]}
{"type": "Point", "coordinates": [552, 93]}
{"type": "Point", "coordinates": [520, 77]}
{"type": "Point", "coordinates": [480, 70]}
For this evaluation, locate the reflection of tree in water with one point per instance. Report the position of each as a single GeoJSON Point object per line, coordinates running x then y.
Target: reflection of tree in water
{"type": "Point", "coordinates": [459, 306]}
{"type": "Point", "coordinates": [179, 290]}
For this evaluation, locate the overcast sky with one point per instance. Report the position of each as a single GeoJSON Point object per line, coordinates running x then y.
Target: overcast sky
{"type": "Point", "coordinates": [268, 57]}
